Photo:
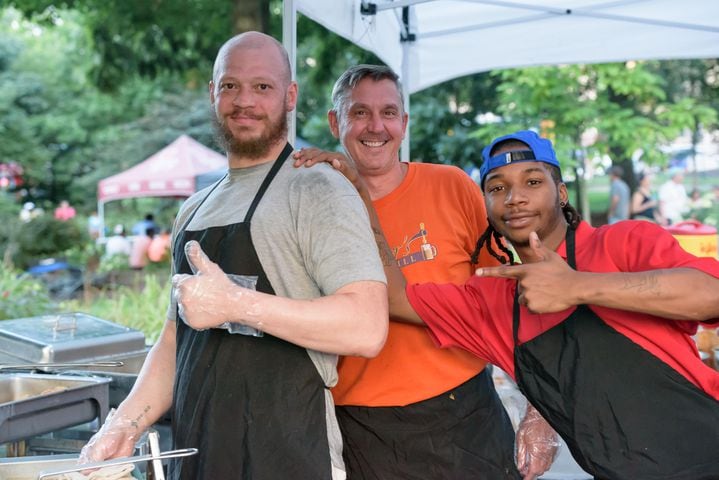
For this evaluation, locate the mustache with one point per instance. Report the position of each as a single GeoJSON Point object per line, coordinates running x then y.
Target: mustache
{"type": "Point", "coordinates": [244, 112]}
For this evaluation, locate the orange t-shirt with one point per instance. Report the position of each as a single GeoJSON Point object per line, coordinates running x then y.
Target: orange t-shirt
{"type": "Point", "coordinates": [159, 247]}
{"type": "Point", "coordinates": [432, 222]}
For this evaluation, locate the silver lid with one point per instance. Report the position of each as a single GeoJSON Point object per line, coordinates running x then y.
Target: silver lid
{"type": "Point", "coordinates": [67, 337]}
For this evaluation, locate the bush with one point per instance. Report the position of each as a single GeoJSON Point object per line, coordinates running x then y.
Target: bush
{"type": "Point", "coordinates": [10, 221]}
{"type": "Point", "coordinates": [142, 306]}
{"type": "Point", "coordinates": [45, 237]}
{"type": "Point", "coordinates": [22, 296]}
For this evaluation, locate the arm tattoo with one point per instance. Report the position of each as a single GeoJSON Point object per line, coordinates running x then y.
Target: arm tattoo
{"type": "Point", "coordinates": [136, 421]}
{"type": "Point", "coordinates": [385, 253]}
{"type": "Point", "coordinates": [646, 283]}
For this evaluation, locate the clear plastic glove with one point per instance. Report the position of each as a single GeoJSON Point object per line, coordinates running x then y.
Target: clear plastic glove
{"type": "Point", "coordinates": [209, 299]}
{"type": "Point", "coordinates": [116, 438]}
{"type": "Point", "coordinates": [537, 445]}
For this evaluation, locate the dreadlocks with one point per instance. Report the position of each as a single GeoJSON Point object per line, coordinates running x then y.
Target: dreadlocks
{"type": "Point", "coordinates": [570, 214]}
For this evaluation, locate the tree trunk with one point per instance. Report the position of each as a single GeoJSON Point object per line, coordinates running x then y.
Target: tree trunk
{"type": "Point", "coordinates": [252, 15]}
{"type": "Point", "coordinates": [618, 159]}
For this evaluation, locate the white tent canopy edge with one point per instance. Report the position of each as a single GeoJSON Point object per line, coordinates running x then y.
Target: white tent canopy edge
{"type": "Point", "coordinates": [431, 41]}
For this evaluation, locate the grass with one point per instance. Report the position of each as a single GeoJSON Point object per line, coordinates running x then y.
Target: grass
{"type": "Point", "coordinates": [598, 187]}
{"type": "Point", "coordinates": [142, 305]}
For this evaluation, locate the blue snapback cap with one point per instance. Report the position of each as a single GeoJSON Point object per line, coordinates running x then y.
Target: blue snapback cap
{"type": "Point", "coordinates": [540, 150]}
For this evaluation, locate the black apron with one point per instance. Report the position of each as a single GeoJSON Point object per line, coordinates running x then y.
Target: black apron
{"type": "Point", "coordinates": [254, 407]}
{"type": "Point", "coordinates": [624, 413]}
{"type": "Point", "coordinates": [461, 434]}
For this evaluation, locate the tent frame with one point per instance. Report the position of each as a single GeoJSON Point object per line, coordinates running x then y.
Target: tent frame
{"type": "Point", "coordinates": [408, 36]}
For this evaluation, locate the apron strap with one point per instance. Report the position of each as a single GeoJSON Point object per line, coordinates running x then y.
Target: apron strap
{"type": "Point", "coordinates": [194, 212]}
{"type": "Point", "coordinates": [268, 179]}
{"type": "Point", "coordinates": [571, 260]}
{"type": "Point", "coordinates": [571, 257]}
{"type": "Point", "coordinates": [515, 316]}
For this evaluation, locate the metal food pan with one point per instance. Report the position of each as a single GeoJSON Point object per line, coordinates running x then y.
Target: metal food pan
{"type": "Point", "coordinates": [123, 378]}
{"type": "Point", "coordinates": [47, 467]}
{"type": "Point", "coordinates": [67, 337]}
{"type": "Point", "coordinates": [28, 468]}
{"type": "Point", "coordinates": [33, 404]}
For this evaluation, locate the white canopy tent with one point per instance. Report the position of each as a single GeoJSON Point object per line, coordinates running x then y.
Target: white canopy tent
{"type": "Point", "coordinates": [431, 41]}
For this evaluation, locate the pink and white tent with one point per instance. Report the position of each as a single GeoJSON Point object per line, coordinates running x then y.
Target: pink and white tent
{"type": "Point", "coordinates": [171, 172]}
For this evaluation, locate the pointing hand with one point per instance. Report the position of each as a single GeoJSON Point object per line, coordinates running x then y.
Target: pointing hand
{"type": "Point", "coordinates": [545, 285]}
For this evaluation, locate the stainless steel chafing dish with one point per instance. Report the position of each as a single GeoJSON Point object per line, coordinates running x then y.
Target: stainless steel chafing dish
{"type": "Point", "coordinates": [32, 404]}
{"type": "Point", "coordinates": [70, 337]}
{"type": "Point", "coordinates": [47, 468]}
{"type": "Point", "coordinates": [87, 345]}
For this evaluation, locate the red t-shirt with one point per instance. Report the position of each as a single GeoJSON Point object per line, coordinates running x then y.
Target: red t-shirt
{"type": "Point", "coordinates": [477, 316]}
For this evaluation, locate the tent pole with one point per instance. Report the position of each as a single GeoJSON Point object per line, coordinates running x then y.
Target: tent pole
{"type": "Point", "coordinates": [289, 40]}
{"type": "Point", "coordinates": [101, 214]}
{"type": "Point", "coordinates": [406, 37]}
{"type": "Point", "coordinates": [404, 152]}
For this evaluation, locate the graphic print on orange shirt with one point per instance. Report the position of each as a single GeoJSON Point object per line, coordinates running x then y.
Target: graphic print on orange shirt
{"type": "Point", "coordinates": [426, 251]}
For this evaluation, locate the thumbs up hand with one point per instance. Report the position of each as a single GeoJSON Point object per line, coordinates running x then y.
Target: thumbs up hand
{"type": "Point", "coordinates": [205, 299]}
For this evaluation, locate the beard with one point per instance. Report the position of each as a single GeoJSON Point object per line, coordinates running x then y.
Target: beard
{"type": "Point", "coordinates": [253, 148]}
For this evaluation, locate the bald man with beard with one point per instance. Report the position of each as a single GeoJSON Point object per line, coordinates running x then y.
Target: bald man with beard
{"type": "Point", "coordinates": [276, 273]}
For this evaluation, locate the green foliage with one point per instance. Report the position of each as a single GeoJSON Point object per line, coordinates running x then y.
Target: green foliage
{"type": "Point", "coordinates": [9, 219]}
{"type": "Point", "coordinates": [626, 102]}
{"type": "Point", "coordinates": [65, 131]}
{"type": "Point", "coordinates": [45, 236]}
{"type": "Point", "coordinates": [21, 295]}
{"type": "Point", "coordinates": [142, 306]}
{"type": "Point", "coordinates": [443, 118]}
{"type": "Point", "coordinates": [146, 38]}
{"type": "Point", "coordinates": [321, 59]}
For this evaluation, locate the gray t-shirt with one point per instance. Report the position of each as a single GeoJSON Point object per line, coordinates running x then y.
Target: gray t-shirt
{"type": "Point", "coordinates": [619, 189]}
{"type": "Point", "coordinates": [312, 236]}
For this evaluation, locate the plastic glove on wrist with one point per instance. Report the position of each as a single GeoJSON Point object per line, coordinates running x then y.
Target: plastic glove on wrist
{"type": "Point", "coordinates": [116, 438]}
{"type": "Point", "coordinates": [208, 298]}
{"type": "Point", "coordinates": [537, 445]}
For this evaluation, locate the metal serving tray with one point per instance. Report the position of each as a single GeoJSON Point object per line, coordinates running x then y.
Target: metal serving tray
{"type": "Point", "coordinates": [28, 468]}
{"type": "Point", "coordinates": [123, 378]}
{"type": "Point", "coordinates": [67, 338]}
{"type": "Point", "coordinates": [33, 404]}
{"type": "Point", "coordinates": [47, 467]}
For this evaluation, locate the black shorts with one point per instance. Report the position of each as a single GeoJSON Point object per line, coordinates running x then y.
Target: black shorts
{"type": "Point", "coordinates": [462, 434]}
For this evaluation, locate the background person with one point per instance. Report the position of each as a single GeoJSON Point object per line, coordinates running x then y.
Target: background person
{"type": "Point", "coordinates": [618, 196]}
{"type": "Point", "coordinates": [159, 247]}
{"type": "Point", "coordinates": [148, 222]}
{"type": "Point", "coordinates": [94, 226]}
{"type": "Point", "coordinates": [644, 203]}
{"type": "Point", "coordinates": [138, 251]}
{"type": "Point", "coordinates": [30, 212]}
{"type": "Point", "coordinates": [673, 198]}
{"type": "Point", "coordinates": [118, 243]}
{"type": "Point", "coordinates": [256, 403]}
{"type": "Point", "coordinates": [64, 211]}
{"type": "Point", "coordinates": [416, 411]}
{"type": "Point", "coordinates": [595, 324]}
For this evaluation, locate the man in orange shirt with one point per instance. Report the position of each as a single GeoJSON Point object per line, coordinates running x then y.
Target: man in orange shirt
{"type": "Point", "coordinates": [416, 411]}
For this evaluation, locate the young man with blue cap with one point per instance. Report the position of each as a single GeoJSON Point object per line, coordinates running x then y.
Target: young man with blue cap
{"type": "Point", "coordinates": [595, 325]}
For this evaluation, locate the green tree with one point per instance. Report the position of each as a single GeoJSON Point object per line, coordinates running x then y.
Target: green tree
{"type": "Point", "coordinates": [626, 103]}
{"type": "Point", "coordinates": [67, 133]}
